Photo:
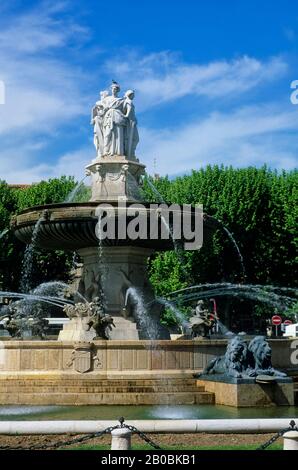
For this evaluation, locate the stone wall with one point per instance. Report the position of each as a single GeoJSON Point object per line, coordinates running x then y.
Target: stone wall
{"type": "Point", "coordinates": [124, 357]}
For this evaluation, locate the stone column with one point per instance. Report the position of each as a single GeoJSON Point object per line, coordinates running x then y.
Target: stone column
{"type": "Point", "coordinates": [121, 439]}
{"type": "Point", "coordinates": [291, 440]}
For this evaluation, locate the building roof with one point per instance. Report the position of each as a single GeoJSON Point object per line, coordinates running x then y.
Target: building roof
{"type": "Point", "coordinates": [19, 186]}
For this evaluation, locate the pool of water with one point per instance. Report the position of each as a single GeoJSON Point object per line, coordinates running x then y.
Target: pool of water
{"type": "Point", "coordinates": [103, 412]}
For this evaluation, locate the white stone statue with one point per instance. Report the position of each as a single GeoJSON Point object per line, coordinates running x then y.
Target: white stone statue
{"type": "Point", "coordinates": [97, 114]}
{"type": "Point", "coordinates": [115, 124]}
{"type": "Point", "coordinates": [132, 134]}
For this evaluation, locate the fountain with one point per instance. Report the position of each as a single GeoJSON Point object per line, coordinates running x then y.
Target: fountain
{"type": "Point", "coordinates": [115, 232]}
{"type": "Point", "coordinates": [114, 349]}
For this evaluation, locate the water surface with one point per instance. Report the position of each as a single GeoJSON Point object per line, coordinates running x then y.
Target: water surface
{"type": "Point", "coordinates": [131, 412]}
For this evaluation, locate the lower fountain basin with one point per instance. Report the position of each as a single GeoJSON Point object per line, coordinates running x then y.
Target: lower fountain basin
{"type": "Point", "coordinates": [113, 372]}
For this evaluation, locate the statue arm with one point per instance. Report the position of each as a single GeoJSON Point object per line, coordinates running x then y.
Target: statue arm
{"type": "Point", "coordinates": [127, 109]}
{"type": "Point", "coordinates": [94, 114]}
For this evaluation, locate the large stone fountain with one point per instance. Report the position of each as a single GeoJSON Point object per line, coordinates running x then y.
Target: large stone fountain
{"type": "Point", "coordinates": [117, 261]}
{"type": "Point", "coordinates": [139, 364]}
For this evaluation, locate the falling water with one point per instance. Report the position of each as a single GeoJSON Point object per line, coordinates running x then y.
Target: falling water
{"type": "Point", "coordinates": [133, 188]}
{"type": "Point", "coordinates": [57, 289]}
{"type": "Point", "coordinates": [24, 307]}
{"type": "Point", "coordinates": [4, 232]}
{"type": "Point", "coordinates": [237, 249]}
{"type": "Point", "coordinates": [149, 327]}
{"type": "Point", "coordinates": [226, 230]}
{"type": "Point", "coordinates": [223, 329]}
{"type": "Point", "coordinates": [176, 312]}
{"type": "Point", "coordinates": [235, 244]}
{"type": "Point", "coordinates": [102, 270]}
{"type": "Point", "coordinates": [169, 229]}
{"type": "Point", "coordinates": [170, 232]}
{"type": "Point", "coordinates": [56, 301]}
{"type": "Point", "coordinates": [73, 194]}
{"type": "Point", "coordinates": [183, 322]}
{"type": "Point", "coordinates": [27, 264]}
{"type": "Point", "coordinates": [269, 287]}
{"type": "Point", "coordinates": [156, 192]}
{"type": "Point", "coordinates": [146, 322]}
{"type": "Point", "coordinates": [248, 291]}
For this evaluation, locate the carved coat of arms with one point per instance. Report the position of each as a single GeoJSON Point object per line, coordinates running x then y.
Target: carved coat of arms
{"type": "Point", "coordinates": [83, 358]}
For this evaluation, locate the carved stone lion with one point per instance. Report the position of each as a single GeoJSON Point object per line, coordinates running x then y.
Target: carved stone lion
{"type": "Point", "coordinates": [244, 361]}
{"type": "Point", "coordinates": [233, 363]}
{"type": "Point", "coordinates": [259, 358]}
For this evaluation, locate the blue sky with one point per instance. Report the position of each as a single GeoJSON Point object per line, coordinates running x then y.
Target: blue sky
{"type": "Point", "coordinates": [212, 81]}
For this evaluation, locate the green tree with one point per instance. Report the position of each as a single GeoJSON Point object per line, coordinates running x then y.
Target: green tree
{"type": "Point", "coordinates": [47, 266]}
{"type": "Point", "coordinates": [258, 206]}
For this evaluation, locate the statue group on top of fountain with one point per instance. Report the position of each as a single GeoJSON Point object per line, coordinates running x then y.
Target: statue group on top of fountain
{"type": "Point", "coordinates": [115, 123]}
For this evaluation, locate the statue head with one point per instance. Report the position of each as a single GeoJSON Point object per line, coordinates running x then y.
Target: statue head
{"type": "Point", "coordinates": [96, 300]}
{"type": "Point", "coordinates": [115, 88]}
{"type": "Point", "coordinates": [236, 352]}
{"type": "Point", "coordinates": [103, 94]}
{"type": "Point", "coordinates": [130, 94]}
{"type": "Point", "coordinates": [261, 351]}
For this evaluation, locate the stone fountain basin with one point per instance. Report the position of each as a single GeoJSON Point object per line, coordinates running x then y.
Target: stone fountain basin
{"type": "Point", "coordinates": [71, 226]}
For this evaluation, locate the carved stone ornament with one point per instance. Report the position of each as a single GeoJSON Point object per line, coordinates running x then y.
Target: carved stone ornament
{"type": "Point", "coordinates": [83, 359]}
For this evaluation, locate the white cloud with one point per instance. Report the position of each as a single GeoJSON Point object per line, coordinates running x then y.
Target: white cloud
{"type": "Point", "coordinates": [38, 30]}
{"type": "Point", "coordinates": [249, 136]}
{"type": "Point", "coordinates": [162, 77]}
{"type": "Point", "coordinates": [72, 164]}
{"type": "Point", "coordinates": [41, 91]}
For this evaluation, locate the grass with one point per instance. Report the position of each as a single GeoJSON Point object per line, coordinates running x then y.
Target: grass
{"type": "Point", "coordinates": [147, 447]}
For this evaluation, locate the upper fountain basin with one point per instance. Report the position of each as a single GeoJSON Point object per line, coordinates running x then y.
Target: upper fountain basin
{"type": "Point", "coordinates": [72, 226]}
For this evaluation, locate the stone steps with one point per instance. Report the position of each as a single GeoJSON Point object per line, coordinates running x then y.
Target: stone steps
{"type": "Point", "coordinates": [88, 381]}
{"type": "Point", "coordinates": [178, 398]}
{"type": "Point", "coordinates": [98, 386]}
{"type": "Point", "coordinates": [44, 389]}
{"type": "Point", "coordinates": [83, 390]}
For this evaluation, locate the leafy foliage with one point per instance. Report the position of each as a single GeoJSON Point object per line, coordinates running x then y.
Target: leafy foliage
{"type": "Point", "coordinates": [258, 206]}
{"type": "Point", "coordinates": [48, 266]}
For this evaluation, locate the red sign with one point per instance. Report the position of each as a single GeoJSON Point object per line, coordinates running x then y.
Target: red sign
{"type": "Point", "coordinates": [288, 322]}
{"type": "Point", "coordinates": [276, 320]}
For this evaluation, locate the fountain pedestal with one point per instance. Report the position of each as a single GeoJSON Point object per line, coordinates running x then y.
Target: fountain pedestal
{"type": "Point", "coordinates": [113, 271]}
{"type": "Point", "coordinates": [114, 178]}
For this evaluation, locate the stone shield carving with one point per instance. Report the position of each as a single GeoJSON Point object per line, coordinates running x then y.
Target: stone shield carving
{"type": "Point", "coordinates": [82, 360]}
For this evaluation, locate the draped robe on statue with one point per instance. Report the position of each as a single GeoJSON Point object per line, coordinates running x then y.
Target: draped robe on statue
{"type": "Point", "coordinates": [114, 124]}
